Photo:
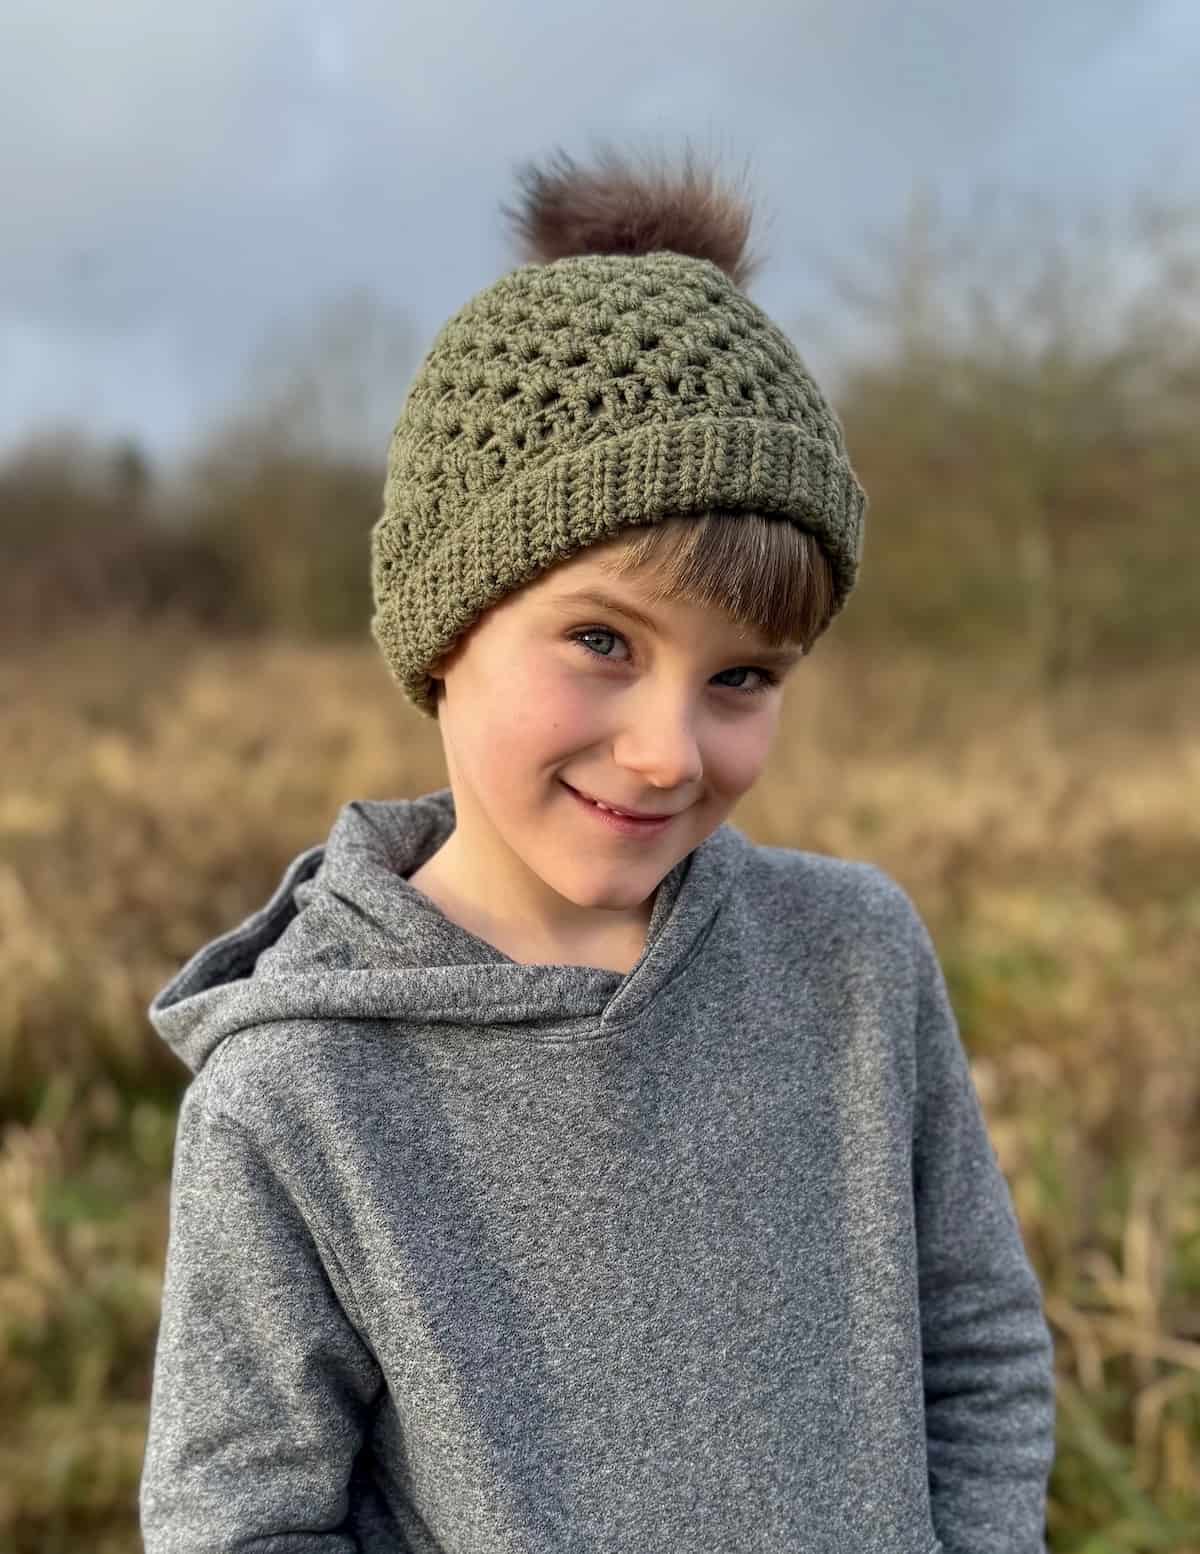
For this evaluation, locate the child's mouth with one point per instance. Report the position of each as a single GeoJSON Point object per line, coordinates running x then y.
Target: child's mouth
{"type": "Point", "coordinates": [623, 825]}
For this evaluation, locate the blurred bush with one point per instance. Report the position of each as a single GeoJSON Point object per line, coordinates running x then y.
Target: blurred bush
{"type": "Point", "coordinates": [81, 538]}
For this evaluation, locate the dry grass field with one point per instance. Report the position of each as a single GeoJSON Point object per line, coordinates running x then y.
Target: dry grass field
{"type": "Point", "coordinates": [154, 783]}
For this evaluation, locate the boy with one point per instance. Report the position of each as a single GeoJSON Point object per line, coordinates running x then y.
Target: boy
{"type": "Point", "coordinates": [555, 1179]}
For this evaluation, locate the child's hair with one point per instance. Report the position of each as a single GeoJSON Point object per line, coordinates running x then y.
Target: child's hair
{"type": "Point", "coordinates": [769, 576]}
{"type": "Point", "coordinates": [618, 391]}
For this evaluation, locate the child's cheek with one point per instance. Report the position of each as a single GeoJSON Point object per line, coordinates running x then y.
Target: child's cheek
{"type": "Point", "coordinates": [739, 749]}
{"type": "Point", "coordinates": [563, 704]}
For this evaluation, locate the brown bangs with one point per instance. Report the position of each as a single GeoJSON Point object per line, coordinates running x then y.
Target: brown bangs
{"type": "Point", "coordinates": [765, 573]}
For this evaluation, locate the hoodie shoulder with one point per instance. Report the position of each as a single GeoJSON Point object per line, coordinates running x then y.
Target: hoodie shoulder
{"type": "Point", "coordinates": [836, 901]}
{"type": "Point", "coordinates": [844, 881]}
{"type": "Point", "coordinates": [271, 1079]}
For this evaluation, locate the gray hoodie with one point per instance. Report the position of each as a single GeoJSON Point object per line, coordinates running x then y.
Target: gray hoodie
{"type": "Point", "coordinates": [468, 1256]}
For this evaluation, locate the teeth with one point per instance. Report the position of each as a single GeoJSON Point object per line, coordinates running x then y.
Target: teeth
{"type": "Point", "coordinates": [610, 809]}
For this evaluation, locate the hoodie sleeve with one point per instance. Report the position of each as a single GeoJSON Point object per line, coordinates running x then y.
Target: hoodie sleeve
{"type": "Point", "coordinates": [987, 1348]}
{"type": "Point", "coordinates": [261, 1383]}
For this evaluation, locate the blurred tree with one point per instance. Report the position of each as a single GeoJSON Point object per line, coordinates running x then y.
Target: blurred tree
{"type": "Point", "coordinates": [1024, 415]}
{"type": "Point", "coordinates": [131, 479]}
{"type": "Point", "coordinates": [80, 537]}
{"type": "Point", "coordinates": [331, 380]}
{"type": "Point", "coordinates": [287, 486]}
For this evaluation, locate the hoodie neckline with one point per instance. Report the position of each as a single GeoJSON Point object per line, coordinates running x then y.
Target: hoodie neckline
{"type": "Point", "coordinates": [342, 935]}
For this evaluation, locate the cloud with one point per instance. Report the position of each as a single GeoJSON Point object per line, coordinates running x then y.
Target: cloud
{"type": "Point", "coordinates": [176, 178]}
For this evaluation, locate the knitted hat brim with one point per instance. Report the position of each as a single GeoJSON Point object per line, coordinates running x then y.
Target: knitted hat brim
{"type": "Point", "coordinates": [592, 493]}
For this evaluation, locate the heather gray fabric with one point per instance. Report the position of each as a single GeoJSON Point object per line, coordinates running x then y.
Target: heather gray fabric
{"type": "Point", "coordinates": [469, 1257]}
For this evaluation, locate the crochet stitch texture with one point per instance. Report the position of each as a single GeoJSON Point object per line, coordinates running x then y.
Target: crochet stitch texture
{"type": "Point", "coordinates": [570, 400]}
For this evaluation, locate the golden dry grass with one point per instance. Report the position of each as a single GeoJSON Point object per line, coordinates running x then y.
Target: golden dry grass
{"type": "Point", "coordinates": [154, 785]}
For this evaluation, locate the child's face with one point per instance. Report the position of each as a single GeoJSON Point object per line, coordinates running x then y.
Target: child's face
{"type": "Point", "coordinates": [661, 722]}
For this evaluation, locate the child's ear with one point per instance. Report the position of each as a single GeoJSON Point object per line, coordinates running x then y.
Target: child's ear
{"type": "Point", "coordinates": [437, 671]}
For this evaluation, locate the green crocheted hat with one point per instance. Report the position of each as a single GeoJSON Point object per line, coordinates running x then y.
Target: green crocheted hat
{"type": "Point", "coordinates": [591, 391]}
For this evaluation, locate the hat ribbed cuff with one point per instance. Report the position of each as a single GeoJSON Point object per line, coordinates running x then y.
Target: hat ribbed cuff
{"type": "Point", "coordinates": [591, 493]}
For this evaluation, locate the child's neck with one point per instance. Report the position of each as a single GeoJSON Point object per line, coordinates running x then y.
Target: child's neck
{"type": "Point", "coordinates": [615, 949]}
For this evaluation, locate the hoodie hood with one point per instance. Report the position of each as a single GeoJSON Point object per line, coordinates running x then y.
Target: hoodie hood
{"type": "Point", "coordinates": [344, 936]}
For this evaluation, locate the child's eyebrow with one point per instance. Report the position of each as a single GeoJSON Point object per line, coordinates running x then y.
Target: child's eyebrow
{"type": "Point", "coordinates": [782, 658]}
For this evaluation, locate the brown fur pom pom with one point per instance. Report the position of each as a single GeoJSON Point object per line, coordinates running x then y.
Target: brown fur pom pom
{"type": "Point", "coordinates": [617, 207]}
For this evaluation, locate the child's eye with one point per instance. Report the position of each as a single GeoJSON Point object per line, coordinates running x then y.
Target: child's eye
{"type": "Point", "coordinates": [767, 677]}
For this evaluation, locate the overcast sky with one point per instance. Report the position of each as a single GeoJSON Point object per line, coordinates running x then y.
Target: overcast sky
{"type": "Point", "coordinates": [179, 179]}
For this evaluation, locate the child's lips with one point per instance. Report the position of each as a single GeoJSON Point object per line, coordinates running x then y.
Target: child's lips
{"type": "Point", "coordinates": [629, 814]}
{"type": "Point", "coordinates": [622, 824]}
